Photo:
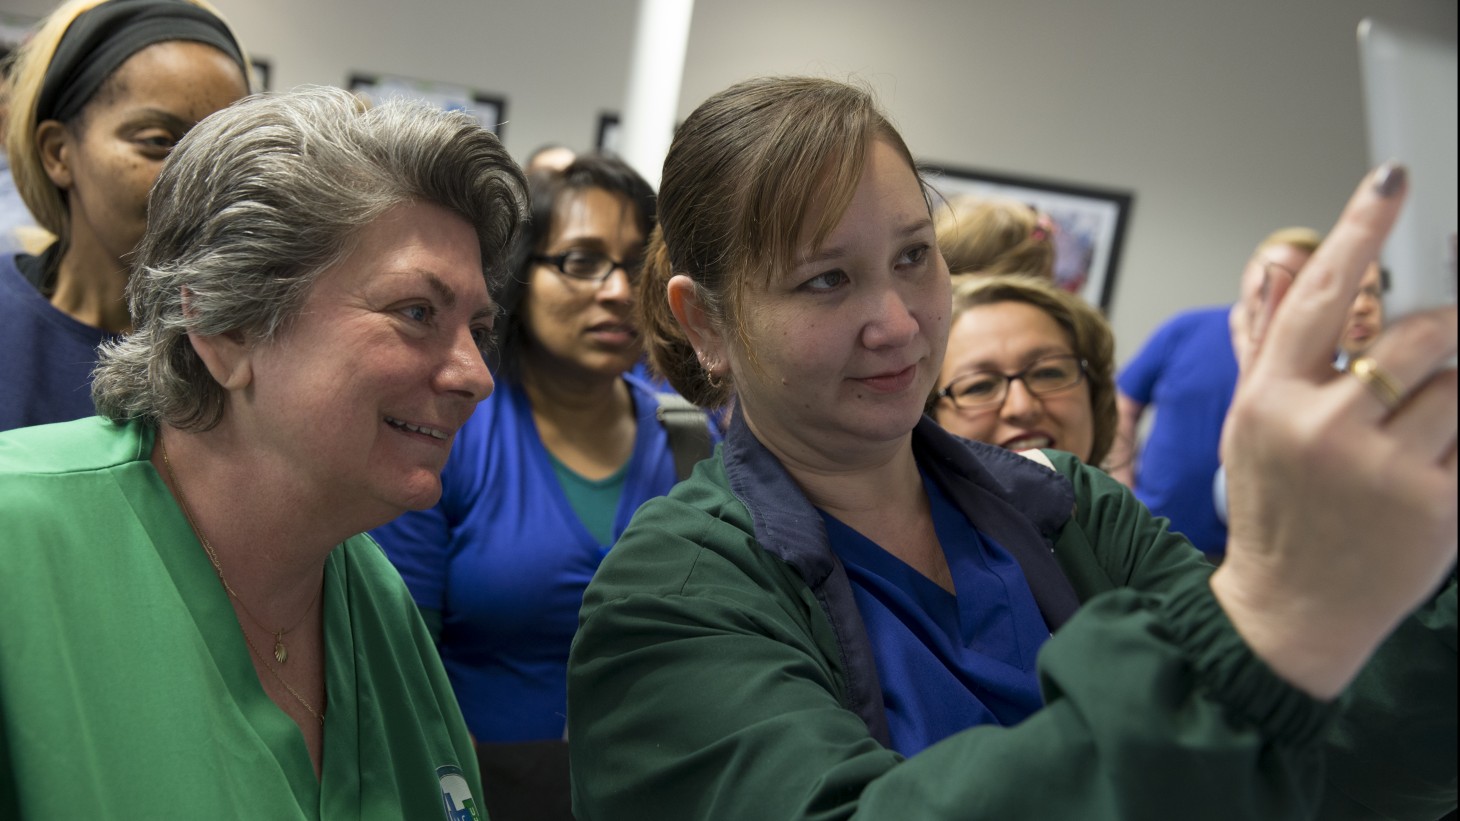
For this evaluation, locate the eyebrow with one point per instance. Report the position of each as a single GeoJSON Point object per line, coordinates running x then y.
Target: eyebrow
{"type": "Point", "coordinates": [824, 254]}
{"type": "Point", "coordinates": [1029, 358]}
{"type": "Point", "coordinates": [448, 296]}
{"type": "Point", "coordinates": [143, 115]}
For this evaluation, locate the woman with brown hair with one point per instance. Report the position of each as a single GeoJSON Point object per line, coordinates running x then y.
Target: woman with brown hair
{"type": "Point", "coordinates": [848, 611]}
{"type": "Point", "coordinates": [1028, 366]}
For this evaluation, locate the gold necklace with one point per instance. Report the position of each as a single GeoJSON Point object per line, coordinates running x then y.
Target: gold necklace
{"type": "Point", "coordinates": [280, 651]}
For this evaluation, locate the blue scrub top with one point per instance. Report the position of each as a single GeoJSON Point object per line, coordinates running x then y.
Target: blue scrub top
{"type": "Point", "coordinates": [946, 662]}
{"type": "Point", "coordinates": [505, 560]}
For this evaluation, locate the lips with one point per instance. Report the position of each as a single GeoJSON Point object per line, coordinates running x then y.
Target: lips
{"type": "Point", "coordinates": [434, 433]}
{"type": "Point", "coordinates": [891, 381]}
{"type": "Point", "coordinates": [1026, 441]}
{"type": "Point", "coordinates": [618, 333]}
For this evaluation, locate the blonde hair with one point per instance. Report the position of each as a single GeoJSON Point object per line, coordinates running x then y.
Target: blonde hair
{"type": "Point", "coordinates": [743, 172]}
{"type": "Point", "coordinates": [1088, 332]}
{"type": "Point", "coordinates": [995, 236]}
{"type": "Point", "coordinates": [28, 75]}
{"type": "Point", "coordinates": [1304, 239]}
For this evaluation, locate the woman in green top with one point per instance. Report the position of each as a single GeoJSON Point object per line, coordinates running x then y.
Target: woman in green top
{"type": "Point", "coordinates": [192, 624]}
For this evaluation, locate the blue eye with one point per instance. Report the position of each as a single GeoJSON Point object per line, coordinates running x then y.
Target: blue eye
{"type": "Point", "coordinates": [418, 313]}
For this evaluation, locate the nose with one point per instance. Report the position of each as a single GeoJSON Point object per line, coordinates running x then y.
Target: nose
{"type": "Point", "coordinates": [465, 371]}
{"type": "Point", "coordinates": [1020, 404]}
{"type": "Point", "coordinates": [891, 325]}
{"type": "Point", "coordinates": [616, 287]}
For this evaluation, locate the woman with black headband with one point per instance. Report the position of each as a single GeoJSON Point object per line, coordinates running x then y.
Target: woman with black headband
{"type": "Point", "coordinates": [101, 92]}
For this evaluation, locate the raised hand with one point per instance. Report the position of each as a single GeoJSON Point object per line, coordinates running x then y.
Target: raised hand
{"type": "Point", "coordinates": [1342, 486]}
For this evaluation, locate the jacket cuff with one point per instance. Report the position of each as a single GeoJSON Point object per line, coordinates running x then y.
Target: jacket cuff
{"type": "Point", "coordinates": [1232, 675]}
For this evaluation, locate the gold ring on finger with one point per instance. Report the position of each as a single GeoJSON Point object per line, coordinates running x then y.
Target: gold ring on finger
{"type": "Point", "coordinates": [1377, 380]}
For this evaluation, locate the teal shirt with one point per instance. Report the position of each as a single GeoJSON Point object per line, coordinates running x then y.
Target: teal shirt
{"type": "Point", "coordinates": [126, 688]}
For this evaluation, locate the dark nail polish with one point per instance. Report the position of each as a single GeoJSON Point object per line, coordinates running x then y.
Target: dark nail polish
{"type": "Point", "coordinates": [1390, 178]}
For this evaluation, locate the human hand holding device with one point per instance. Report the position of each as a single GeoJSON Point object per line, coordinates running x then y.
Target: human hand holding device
{"type": "Point", "coordinates": [1342, 486]}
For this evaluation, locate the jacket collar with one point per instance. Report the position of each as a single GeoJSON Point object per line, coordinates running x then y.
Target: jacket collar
{"type": "Point", "coordinates": [1018, 502]}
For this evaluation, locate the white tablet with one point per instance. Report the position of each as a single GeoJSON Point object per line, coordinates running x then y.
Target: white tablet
{"type": "Point", "coordinates": [1409, 95]}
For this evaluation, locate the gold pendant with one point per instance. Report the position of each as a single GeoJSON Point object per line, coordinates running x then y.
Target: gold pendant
{"type": "Point", "coordinates": [280, 652]}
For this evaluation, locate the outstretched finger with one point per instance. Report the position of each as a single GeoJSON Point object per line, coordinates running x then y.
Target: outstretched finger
{"type": "Point", "coordinates": [1305, 329]}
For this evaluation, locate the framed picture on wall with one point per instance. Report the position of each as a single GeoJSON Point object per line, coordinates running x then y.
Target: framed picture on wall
{"type": "Point", "coordinates": [489, 110]}
{"type": "Point", "coordinates": [1090, 223]}
{"type": "Point", "coordinates": [606, 141]}
{"type": "Point", "coordinates": [262, 73]}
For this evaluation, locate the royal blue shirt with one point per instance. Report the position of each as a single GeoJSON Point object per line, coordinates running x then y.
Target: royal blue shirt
{"type": "Point", "coordinates": [946, 662]}
{"type": "Point", "coordinates": [1187, 373]}
{"type": "Point", "coordinates": [505, 561]}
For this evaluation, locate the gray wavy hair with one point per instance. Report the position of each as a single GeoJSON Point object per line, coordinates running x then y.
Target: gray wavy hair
{"type": "Point", "coordinates": [259, 199]}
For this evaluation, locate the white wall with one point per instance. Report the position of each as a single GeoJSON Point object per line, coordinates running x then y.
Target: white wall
{"type": "Point", "coordinates": [1226, 119]}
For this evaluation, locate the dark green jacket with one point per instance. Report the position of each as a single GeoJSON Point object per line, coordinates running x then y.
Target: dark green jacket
{"type": "Point", "coordinates": [721, 671]}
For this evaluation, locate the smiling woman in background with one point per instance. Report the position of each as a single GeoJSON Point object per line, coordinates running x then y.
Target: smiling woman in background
{"type": "Point", "coordinates": [101, 93]}
{"type": "Point", "coordinates": [193, 625]}
{"type": "Point", "coordinates": [1029, 365]}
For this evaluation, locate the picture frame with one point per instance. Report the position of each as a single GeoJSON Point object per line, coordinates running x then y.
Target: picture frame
{"type": "Point", "coordinates": [605, 140]}
{"type": "Point", "coordinates": [488, 109]}
{"type": "Point", "coordinates": [263, 73]}
{"type": "Point", "coordinates": [1090, 222]}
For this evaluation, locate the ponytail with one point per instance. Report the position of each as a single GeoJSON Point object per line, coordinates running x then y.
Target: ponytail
{"type": "Point", "coordinates": [671, 355]}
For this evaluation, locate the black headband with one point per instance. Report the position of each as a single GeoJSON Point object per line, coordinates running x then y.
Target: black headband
{"type": "Point", "coordinates": [100, 39]}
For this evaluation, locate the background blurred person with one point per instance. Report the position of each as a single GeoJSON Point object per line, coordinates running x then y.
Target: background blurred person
{"type": "Point", "coordinates": [543, 478]}
{"type": "Point", "coordinates": [193, 625]}
{"type": "Point", "coordinates": [1028, 366]}
{"type": "Point", "coordinates": [550, 157]}
{"type": "Point", "coordinates": [101, 93]}
{"type": "Point", "coordinates": [847, 611]}
{"type": "Point", "coordinates": [1365, 316]}
{"type": "Point", "coordinates": [981, 235]}
{"type": "Point", "coordinates": [1187, 370]}
{"type": "Point", "coordinates": [1365, 323]}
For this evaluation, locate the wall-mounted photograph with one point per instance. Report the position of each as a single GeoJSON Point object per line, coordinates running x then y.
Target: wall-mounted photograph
{"type": "Point", "coordinates": [1089, 223]}
{"type": "Point", "coordinates": [490, 110]}
{"type": "Point", "coordinates": [263, 71]}
{"type": "Point", "coordinates": [606, 141]}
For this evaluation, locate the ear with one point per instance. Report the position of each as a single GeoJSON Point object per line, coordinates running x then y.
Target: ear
{"type": "Point", "coordinates": [708, 342]}
{"type": "Point", "coordinates": [227, 356]}
{"type": "Point", "coordinates": [53, 142]}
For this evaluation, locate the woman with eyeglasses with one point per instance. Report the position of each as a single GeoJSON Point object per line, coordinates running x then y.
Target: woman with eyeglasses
{"type": "Point", "coordinates": [1029, 365]}
{"type": "Point", "coordinates": [544, 476]}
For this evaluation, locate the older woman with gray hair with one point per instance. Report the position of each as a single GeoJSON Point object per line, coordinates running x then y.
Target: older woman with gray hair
{"type": "Point", "coordinates": [183, 576]}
